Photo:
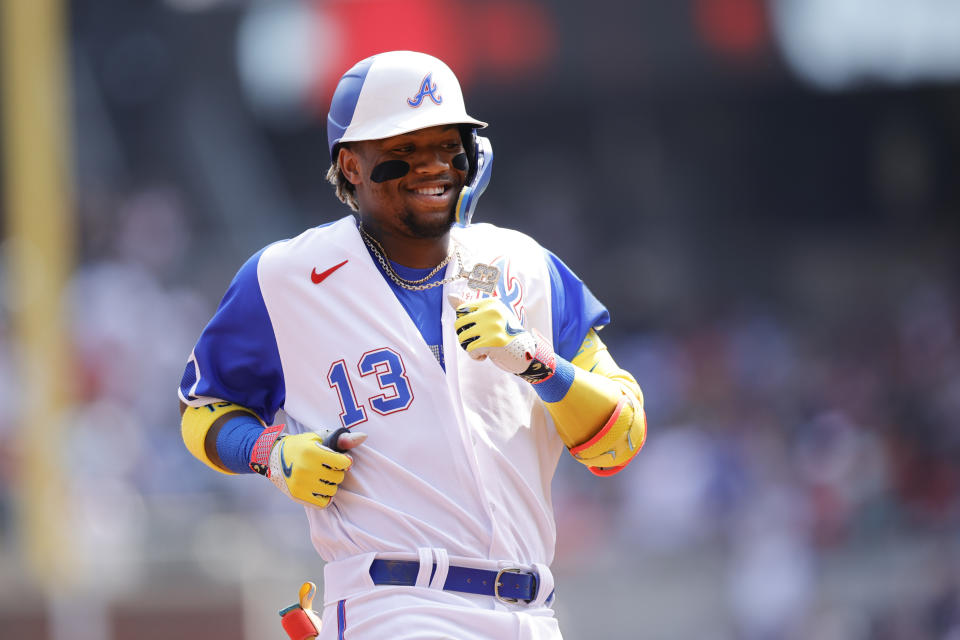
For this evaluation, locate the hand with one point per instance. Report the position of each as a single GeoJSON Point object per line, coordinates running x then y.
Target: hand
{"type": "Point", "coordinates": [487, 328]}
{"type": "Point", "coordinates": [307, 471]}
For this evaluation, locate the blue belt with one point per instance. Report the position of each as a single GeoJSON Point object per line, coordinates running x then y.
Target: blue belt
{"type": "Point", "coordinates": [507, 585]}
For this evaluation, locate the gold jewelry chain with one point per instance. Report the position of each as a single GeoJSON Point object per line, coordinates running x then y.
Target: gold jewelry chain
{"type": "Point", "coordinates": [411, 285]}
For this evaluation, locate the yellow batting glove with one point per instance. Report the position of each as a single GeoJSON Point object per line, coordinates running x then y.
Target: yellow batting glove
{"type": "Point", "coordinates": [487, 328]}
{"type": "Point", "coordinates": [305, 470]}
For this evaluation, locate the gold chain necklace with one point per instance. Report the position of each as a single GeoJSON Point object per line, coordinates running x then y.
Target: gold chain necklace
{"type": "Point", "coordinates": [412, 285]}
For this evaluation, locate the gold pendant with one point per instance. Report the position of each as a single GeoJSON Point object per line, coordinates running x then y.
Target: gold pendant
{"type": "Point", "coordinates": [483, 277]}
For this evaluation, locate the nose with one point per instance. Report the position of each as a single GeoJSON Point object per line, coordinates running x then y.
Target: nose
{"type": "Point", "coordinates": [431, 161]}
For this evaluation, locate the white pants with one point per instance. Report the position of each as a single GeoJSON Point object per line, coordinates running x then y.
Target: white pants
{"type": "Point", "coordinates": [356, 609]}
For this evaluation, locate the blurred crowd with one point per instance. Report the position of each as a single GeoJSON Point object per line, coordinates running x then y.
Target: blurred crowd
{"type": "Point", "coordinates": [787, 446]}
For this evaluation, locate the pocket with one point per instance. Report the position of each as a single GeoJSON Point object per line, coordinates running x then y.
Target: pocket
{"type": "Point", "coordinates": [345, 578]}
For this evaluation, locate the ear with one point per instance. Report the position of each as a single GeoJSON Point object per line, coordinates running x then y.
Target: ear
{"type": "Point", "coordinates": [350, 165]}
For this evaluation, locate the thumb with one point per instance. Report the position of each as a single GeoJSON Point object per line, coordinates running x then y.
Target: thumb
{"type": "Point", "coordinates": [350, 440]}
{"type": "Point", "coordinates": [343, 439]}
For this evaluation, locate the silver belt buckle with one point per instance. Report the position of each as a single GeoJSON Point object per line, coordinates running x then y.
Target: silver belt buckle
{"type": "Point", "coordinates": [508, 599]}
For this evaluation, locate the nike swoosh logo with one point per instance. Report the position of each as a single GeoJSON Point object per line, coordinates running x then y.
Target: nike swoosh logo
{"type": "Point", "coordinates": [320, 277]}
{"type": "Point", "coordinates": [511, 331]}
{"type": "Point", "coordinates": [287, 470]}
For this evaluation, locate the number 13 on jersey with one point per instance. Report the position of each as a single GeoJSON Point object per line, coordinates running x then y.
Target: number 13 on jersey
{"type": "Point", "coordinates": [387, 365]}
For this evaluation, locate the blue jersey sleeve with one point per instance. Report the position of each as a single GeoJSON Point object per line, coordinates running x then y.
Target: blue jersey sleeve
{"type": "Point", "coordinates": [236, 358]}
{"type": "Point", "coordinates": [575, 310]}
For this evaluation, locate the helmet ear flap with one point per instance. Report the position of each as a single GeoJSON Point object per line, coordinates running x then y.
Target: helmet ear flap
{"type": "Point", "coordinates": [468, 134]}
{"type": "Point", "coordinates": [480, 157]}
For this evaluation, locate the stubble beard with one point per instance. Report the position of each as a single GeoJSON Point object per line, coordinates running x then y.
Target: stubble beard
{"type": "Point", "coordinates": [427, 230]}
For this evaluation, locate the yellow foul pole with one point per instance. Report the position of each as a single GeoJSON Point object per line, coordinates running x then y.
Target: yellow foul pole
{"type": "Point", "coordinates": [39, 255]}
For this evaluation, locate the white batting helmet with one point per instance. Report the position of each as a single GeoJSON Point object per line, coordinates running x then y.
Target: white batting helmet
{"type": "Point", "coordinates": [393, 93]}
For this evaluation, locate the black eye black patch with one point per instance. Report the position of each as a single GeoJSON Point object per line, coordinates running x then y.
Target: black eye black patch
{"type": "Point", "coordinates": [459, 162]}
{"type": "Point", "coordinates": [390, 170]}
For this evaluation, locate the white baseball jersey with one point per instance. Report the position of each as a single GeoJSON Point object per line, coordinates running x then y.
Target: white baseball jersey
{"type": "Point", "coordinates": [459, 458]}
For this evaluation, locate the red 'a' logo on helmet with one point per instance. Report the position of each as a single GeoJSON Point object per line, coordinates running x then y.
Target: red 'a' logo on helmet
{"type": "Point", "coordinates": [428, 89]}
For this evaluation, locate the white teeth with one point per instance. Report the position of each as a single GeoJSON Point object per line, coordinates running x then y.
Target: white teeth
{"type": "Point", "coordinates": [430, 191]}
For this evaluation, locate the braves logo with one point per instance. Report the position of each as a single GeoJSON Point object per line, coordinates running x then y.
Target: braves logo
{"type": "Point", "coordinates": [428, 89]}
{"type": "Point", "coordinates": [510, 289]}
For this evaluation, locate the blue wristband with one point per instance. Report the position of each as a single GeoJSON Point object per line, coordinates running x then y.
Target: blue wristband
{"type": "Point", "coordinates": [554, 388]}
{"type": "Point", "coordinates": [235, 442]}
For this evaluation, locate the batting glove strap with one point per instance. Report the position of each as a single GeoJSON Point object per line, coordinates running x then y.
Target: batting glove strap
{"type": "Point", "coordinates": [260, 455]}
{"type": "Point", "coordinates": [544, 362]}
{"type": "Point", "coordinates": [617, 442]}
{"type": "Point", "coordinates": [305, 470]}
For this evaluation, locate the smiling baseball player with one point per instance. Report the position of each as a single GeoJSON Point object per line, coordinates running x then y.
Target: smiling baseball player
{"type": "Point", "coordinates": [454, 361]}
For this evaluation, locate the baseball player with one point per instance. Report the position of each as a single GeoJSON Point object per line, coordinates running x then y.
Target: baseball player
{"type": "Point", "coordinates": [432, 372]}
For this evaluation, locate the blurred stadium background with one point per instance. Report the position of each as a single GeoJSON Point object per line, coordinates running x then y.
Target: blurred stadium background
{"type": "Point", "coordinates": [766, 194]}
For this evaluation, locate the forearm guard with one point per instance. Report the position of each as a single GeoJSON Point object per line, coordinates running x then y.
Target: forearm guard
{"type": "Point", "coordinates": [600, 417]}
{"type": "Point", "coordinates": [199, 427]}
{"type": "Point", "coordinates": [617, 442]}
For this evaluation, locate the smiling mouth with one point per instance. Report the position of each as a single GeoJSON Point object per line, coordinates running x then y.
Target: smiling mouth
{"type": "Point", "coordinates": [437, 190]}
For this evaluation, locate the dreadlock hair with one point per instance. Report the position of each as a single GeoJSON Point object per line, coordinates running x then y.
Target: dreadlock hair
{"type": "Point", "coordinates": [345, 190]}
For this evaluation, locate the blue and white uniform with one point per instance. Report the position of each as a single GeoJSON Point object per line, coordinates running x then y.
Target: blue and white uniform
{"type": "Point", "coordinates": [460, 454]}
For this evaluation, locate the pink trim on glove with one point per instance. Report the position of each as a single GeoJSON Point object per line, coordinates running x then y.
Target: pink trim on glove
{"type": "Point", "coordinates": [260, 456]}
{"type": "Point", "coordinates": [546, 355]}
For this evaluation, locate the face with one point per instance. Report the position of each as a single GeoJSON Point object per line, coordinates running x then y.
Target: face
{"type": "Point", "coordinates": [408, 185]}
